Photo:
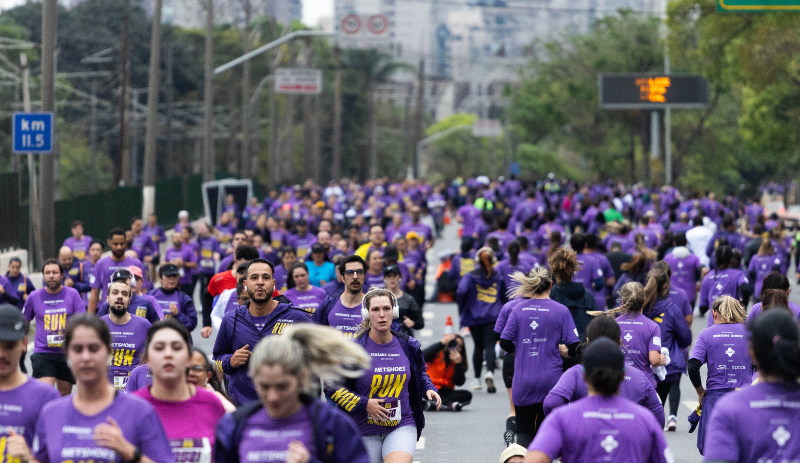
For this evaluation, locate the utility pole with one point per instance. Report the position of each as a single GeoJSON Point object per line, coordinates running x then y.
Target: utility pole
{"type": "Point", "coordinates": [418, 129]}
{"type": "Point", "coordinates": [168, 160]}
{"type": "Point", "coordinates": [244, 160]}
{"type": "Point", "coordinates": [274, 158]}
{"type": "Point", "coordinates": [151, 132]}
{"type": "Point", "coordinates": [34, 228]}
{"type": "Point", "coordinates": [93, 140]}
{"type": "Point", "coordinates": [47, 161]}
{"type": "Point", "coordinates": [208, 97]}
{"type": "Point", "coordinates": [123, 163]}
{"type": "Point", "coordinates": [336, 161]}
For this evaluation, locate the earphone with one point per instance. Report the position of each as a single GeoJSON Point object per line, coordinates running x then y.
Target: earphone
{"type": "Point", "coordinates": [395, 307]}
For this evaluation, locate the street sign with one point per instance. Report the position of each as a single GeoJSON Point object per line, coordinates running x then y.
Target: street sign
{"type": "Point", "coordinates": [364, 31]}
{"type": "Point", "coordinates": [298, 81]}
{"type": "Point", "coordinates": [32, 132]}
{"type": "Point", "coordinates": [487, 128]}
{"type": "Point", "coordinates": [652, 91]}
{"type": "Point", "coordinates": [758, 5]}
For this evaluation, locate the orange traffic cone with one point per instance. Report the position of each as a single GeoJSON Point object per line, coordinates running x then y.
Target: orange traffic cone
{"type": "Point", "coordinates": [448, 325]}
{"type": "Point", "coordinates": [447, 216]}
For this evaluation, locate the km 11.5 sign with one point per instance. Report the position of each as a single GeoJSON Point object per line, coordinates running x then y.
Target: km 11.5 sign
{"type": "Point", "coordinates": [32, 132]}
{"type": "Point", "coordinates": [652, 91]}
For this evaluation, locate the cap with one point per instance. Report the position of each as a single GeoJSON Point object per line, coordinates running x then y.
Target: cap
{"type": "Point", "coordinates": [603, 352]}
{"type": "Point", "coordinates": [321, 204]}
{"type": "Point", "coordinates": [183, 214]}
{"type": "Point", "coordinates": [121, 274]}
{"type": "Point", "coordinates": [392, 269]}
{"type": "Point", "coordinates": [242, 268]}
{"type": "Point", "coordinates": [513, 450]}
{"type": "Point", "coordinates": [135, 271]}
{"type": "Point", "coordinates": [412, 234]}
{"type": "Point", "coordinates": [316, 247]}
{"type": "Point", "coordinates": [168, 270]}
{"type": "Point", "coordinates": [286, 207]}
{"type": "Point", "coordinates": [13, 326]}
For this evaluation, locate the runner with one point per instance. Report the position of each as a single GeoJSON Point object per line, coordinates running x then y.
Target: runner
{"type": "Point", "coordinates": [723, 281]}
{"type": "Point", "coordinates": [758, 423]}
{"type": "Point", "coordinates": [687, 271]}
{"type": "Point", "coordinates": [97, 420]}
{"type": "Point", "coordinates": [189, 413]}
{"type": "Point", "coordinates": [344, 312]}
{"type": "Point", "coordinates": [247, 325]}
{"type": "Point", "coordinates": [174, 303]}
{"type": "Point", "coordinates": [288, 258]}
{"type": "Point", "coordinates": [143, 243]}
{"type": "Point", "coordinates": [762, 264]}
{"type": "Point", "coordinates": [779, 282]}
{"type": "Point", "coordinates": [106, 266]}
{"type": "Point", "coordinates": [78, 243]}
{"type": "Point", "coordinates": [287, 424]}
{"type": "Point", "coordinates": [20, 282]}
{"type": "Point", "coordinates": [74, 276]}
{"type": "Point", "coordinates": [545, 325]}
{"type": "Point", "coordinates": [127, 335]}
{"type": "Point", "coordinates": [410, 314]}
{"type": "Point", "coordinates": [602, 426]}
{"type": "Point", "coordinates": [635, 387]}
{"type": "Point", "coordinates": [226, 279]}
{"type": "Point", "coordinates": [201, 373]}
{"type": "Point", "coordinates": [141, 305]}
{"type": "Point", "coordinates": [374, 276]}
{"type": "Point", "coordinates": [641, 337]}
{"type": "Point", "coordinates": [564, 266]}
{"type": "Point", "coordinates": [480, 296]}
{"type": "Point", "coordinates": [321, 269]}
{"type": "Point", "coordinates": [723, 348]}
{"type": "Point", "coordinates": [52, 307]}
{"type": "Point", "coordinates": [300, 292]}
{"type": "Point", "coordinates": [388, 408]}
{"type": "Point", "coordinates": [183, 258]}
{"type": "Point", "coordinates": [209, 253]}
{"type": "Point", "coordinates": [8, 292]}
{"type": "Point", "coordinates": [229, 300]}
{"type": "Point", "coordinates": [21, 396]}
{"type": "Point", "coordinates": [239, 239]}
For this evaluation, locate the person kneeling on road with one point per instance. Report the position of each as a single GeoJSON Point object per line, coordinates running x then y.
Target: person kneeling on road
{"type": "Point", "coordinates": [447, 367]}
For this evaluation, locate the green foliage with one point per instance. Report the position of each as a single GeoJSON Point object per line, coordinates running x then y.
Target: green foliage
{"type": "Point", "coordinates": [76, 159]}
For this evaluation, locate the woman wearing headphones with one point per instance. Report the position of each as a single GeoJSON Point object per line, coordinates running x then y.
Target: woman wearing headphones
{"type": "Point", "coordinates": [387, 401]}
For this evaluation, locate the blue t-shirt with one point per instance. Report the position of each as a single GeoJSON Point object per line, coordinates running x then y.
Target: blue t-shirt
{"type": "Point", "coordinates": [319, 275]}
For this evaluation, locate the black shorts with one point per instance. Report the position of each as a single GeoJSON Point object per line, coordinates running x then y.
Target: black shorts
{"type": "Point", "coordinates": [508, 369]}
{"type": "Point", "coordinates": [50, 365]}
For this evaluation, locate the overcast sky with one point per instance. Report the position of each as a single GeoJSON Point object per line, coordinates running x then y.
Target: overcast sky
{"type": "Point", "coordinates": [312, 9]}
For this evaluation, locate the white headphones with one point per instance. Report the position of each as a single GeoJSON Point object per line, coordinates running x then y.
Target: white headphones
{"type": "Point", "coordinates": [395, 307]}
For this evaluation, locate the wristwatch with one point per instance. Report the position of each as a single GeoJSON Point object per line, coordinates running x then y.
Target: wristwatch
{"type": "Point", "coordinates": [137, 456]}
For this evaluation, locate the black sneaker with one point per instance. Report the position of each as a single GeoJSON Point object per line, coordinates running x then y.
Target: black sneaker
{"type": "Point", "coordinates": [428, 405]}
{"type": "Point", "coordinates": [456, 406]}
{"type": "Point", "coordinates": [509, 436]}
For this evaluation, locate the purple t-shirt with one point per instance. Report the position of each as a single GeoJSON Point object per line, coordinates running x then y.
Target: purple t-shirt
{"type": "Point", "coordinates": [635, 387]}
{"type": "Point", "coordinates": [608, 272]}
{"type": "Point", "coordinates": [537, 327]}
{"type": "Point", "coordinates": [373, 281]}
{"type": "Point", "coordinates": [140, 377]}
{"type": "Point", "coordinates": [104, 268]}
{"type": "Point", "coordinates": [345, 319]}
{"type": "Point", "coordinates": [208, 246]}
{"type": "Point", "coordinates": [280, 276]}
{"type": "Point", "coordinates": [505, 312]}
{"type": "Point", "coordinates": [723, 347]}
{"type": "Point", "coordinates": [759, 423]}
{"type": "Point", "coordinates": [80, 248]}
{"type": "Point", "coordinates": [306, 300]}
{"type": "Point", "coordinates": [127, 347]}
{"type": "Point", "coordinates": [684, 273]}
{"type": "Point", "coordinates": [639, 335]}
{"type": "Point", "coordinates": [756, 309]}
{"type": "Point", "coordinates": [187, 255]}
{"type": "Point", "coordinates": [680, 299]}
{"type": "Point", "coordinates": [602, 428]}
{"type": "Point", "coordinates": [590, 271]}
{"type": "Point", "coordinates": [720, 283]}
{"type": "Point", "coordinates": [762, 266]}
{"type": "Point", "coordinates": [51, 311]}
{"type": "Point", "coordinates": [506, 269]}
{"type": "Point", "coordinates": [420, 229]}
{"type": "Point", "coordinates": [64, 434]}
{"type": "Point", "coordinates": [387, 378]}
{"type": "Point", "coordinates": [21, 407]}
{"type": "Point", "coordinates": [266, 440]}
{"type": "Point", "coordinates": [302, 245]}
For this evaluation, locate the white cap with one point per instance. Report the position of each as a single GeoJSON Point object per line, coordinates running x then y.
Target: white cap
{"type": "Point", "coordinates": [183, 214]}
{"type": "Point", "coordinates": [513, 450]}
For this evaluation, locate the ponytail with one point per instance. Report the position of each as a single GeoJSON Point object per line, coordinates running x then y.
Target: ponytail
{"type": "Point", "coordinates": [320, 351]}
{"type": "Point", "coordinates": [537, 281]}
{"type": "Point", "coordinates": [775, 344]}
{"type": "Point", "coordinates": [774, 298]}
{"type": "Point", "coordinates": [729, 310]}
{"type": "Point", "coordinates": [657, 287]}
{"type": "Point", "coordinates": [632, 299]}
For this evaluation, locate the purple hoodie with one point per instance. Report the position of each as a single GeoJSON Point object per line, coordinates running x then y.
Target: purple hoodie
{"type": "Point", "coordinates": [481, 297]}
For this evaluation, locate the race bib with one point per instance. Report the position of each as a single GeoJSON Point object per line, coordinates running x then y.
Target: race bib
{"type": "Point", "coordinates": [207, 263]}
{"type": "Point", "coordinates": [120, 379]}
{"type": "Point", "coordinates": [191, 450]}
{"type": "Point", "coordinates": [395, 413]}
{"type": "Point", "coordinates": [55, 340]}
{"type": "Point", "coordinates": [80, 255]}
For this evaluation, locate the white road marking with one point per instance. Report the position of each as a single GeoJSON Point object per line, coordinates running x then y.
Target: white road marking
{"type": "Point", "coordinates": [690, 404]}
{"type": "Point", "coordinates": [421, 443]}
{"type": "Point", "coordinates": [428, 315]}
{"type": "Point", "coordinates": [426, 333]}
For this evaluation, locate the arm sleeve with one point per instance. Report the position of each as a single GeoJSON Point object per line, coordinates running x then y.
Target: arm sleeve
{"type": "Point", "coordinates": [507, 345]}
{"type": "Point", "coordinates": [553, 401]}
{"type": "Point", "coordinates": [415, 314]}
{"type": "Point", "coordinates": [694, 372]}
{"type": "Point", "coordinates": [430, 352]}
{"type": "Point", "coordinates": [208, 304]}
{"type": "Point", "coordinates": [459, 374]}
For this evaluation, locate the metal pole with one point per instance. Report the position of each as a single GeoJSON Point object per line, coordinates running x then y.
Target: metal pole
{"type": "Point", "coordinates": [667, 125]}
{"type": "Point", "coordinates": [336, 161]}
{"type": "Point", "coordinates": [244, 152]}
{"type": "Point", "coordinates": [47, 161]}
{"type": "Point", "coordinates": [208, 98]}
{"type": "Point", "coordinates": [34, 228]}
{"type": "Point", "coordinates": [151, 133]}
{"type": "Point", "coordinates": [655, 136]}
{"type": "Point", "coordinates": [123, 163]}
{"type": "Point", "coordinates": [93, 141]}
{"type": "Point", "coordinates": [270, 46]}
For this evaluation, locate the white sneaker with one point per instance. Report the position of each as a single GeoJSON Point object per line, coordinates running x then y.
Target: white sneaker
{"type": "Point", "coordinates": [476, 384]}
{"type": "Point", "coordinates": [672, 423]}
{"type": "Point", "coordinates": [489, 378]}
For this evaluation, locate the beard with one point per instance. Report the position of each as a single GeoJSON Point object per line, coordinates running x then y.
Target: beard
{"type": "Point", "coordinates": [253, 298]}
{"type": "Point", "coordinates": [53, 285]}
{"type": "Point", "coordinates": [117, 310]}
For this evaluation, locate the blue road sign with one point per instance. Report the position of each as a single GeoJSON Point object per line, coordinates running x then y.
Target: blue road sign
{"type": "Point", "coordinates": [32, 132]}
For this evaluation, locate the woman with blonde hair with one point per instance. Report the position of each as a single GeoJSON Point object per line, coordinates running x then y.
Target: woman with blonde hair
{"type": "Point", "coordinates": [287, 422]}
{"type": "Point", "coordinates": [387, 401]}
{"type": "Point", "coordinates": [723, 348]}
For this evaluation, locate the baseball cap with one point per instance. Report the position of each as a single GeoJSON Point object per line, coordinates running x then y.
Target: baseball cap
{"type": "Point", "coordinates": [121, 274]}
{"type": "Point", "coordinates": [169, 270]}
{"type": "Point", "coordinates": [242, 268]}
{"type": "Point", "coordinates": [392, 269]}
{"type": "Point", "coordinates": [135, 271]}
{"type": "Point", "coordinates": [13, 326]}
{"type": "Point", "coordinates": [183, 214]}
{"type": "Point", "coordinates": [603, 352]}
{"type": "Point", "coordinates": [412, 234]}
{"type": "Point", "coordinates": [316, 247]}
{"type": "Point", "coordinates": [513, 450]}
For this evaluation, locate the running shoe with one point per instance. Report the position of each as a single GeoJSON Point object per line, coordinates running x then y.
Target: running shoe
{"type": "Point", "coordinates": [489, 378]}
{"type": "Point", "coordinates": [465, 332]}
{"type": "Point", "coordinates": [476, 384]}
{"type": "Point", "coordinates": [509, 436]}
{"type": "Point", "coordinates": [456, 406]}
{"type": "Point", "coordinates": [672, 423]}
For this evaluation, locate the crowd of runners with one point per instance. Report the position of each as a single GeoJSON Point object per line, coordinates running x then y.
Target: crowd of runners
{"type": "Point", "coordinates": [584, 294]}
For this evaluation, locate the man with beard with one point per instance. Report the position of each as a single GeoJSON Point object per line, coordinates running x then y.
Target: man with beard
{"type": "Point", "coordinates": [140, 305]}
{"type": "Point", "coordinates": [74, 275]}
{"type": "Point", "coordinates": [174, 303]}
{"type": "Point", "coordinates": [243, 328]}
{"type": "Point", "coordinates": [106, 267]}
{"type": "Point", "coordinates": [21, 396]}
{"type": "Point", "coordinates": [128, 334]}
{"type": "Point", "coordinates": [52, 307]}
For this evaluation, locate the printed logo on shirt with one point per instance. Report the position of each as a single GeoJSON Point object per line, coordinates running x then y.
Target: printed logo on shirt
{"type": "Point", "coordinates": [730, 352]}
{"type": "Point", "coordinates": [781, 436]}
{"type": "Point", "coordinates": [628, 337]}
{"type": "Point", "coordinates": [487, 294]}
{"type": "Point", "coordinates": [281, 325]}
{"type": "Point", "coordinates": [467, 265]}
{"type": "Point", "coordinates": [609, 444]}
{"type": "Point", "coordinates": [345, 399]}
{"type": "Point", "coordinates": [534, 325]}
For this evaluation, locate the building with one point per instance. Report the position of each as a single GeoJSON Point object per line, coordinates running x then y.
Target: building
{"type": "Point", "coordinates": [191, 14]}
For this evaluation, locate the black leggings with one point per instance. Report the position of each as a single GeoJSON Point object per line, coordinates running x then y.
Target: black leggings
{"type": "Point", "coordinates": [452, 395]}
{"type": "Point", "coordinates": [529, 418]}
{"type": "Point", "coordinates": [483, 337]}
{"type": "Point", "coordinates": [673, 390]}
